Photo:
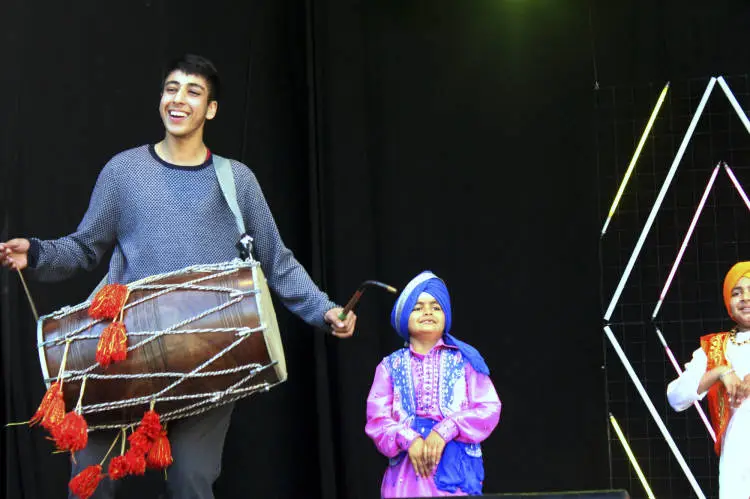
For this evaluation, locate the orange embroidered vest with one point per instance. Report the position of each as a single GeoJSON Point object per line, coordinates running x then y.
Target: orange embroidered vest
{"type": "Point", "coordinates": [715, 347]}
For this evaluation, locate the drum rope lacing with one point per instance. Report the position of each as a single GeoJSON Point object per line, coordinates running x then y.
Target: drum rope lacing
{"type": "Point", "coordinates": [230, 394]}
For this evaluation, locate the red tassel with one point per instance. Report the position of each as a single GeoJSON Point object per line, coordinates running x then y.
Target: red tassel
{"type": "Point", "coordinates": [118, 467]}
{"type": "Point", "coordinates": [139, 442]}
{"type": "Point", "coordinates": [150, 425]}
{"type": "Point", "coordinates": [84, 483]}
{"type": "Point", "coordinates": [160, 455]}
{"type": "Point", "coordinates": [55, 412]}
{"type": "Point", "coordinates": [136, 462]}
{"type": "Point", "coordinates": [113, 344]}
{"type": "Point", "coordinates": [108, 302]}
{"type": "Point", "coordinates": [44, 406]}
{"type": "Point", "coordinates": [72, 434]}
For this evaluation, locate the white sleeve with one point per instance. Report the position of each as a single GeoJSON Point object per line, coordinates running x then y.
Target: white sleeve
{"type": "Point", "coordinates": [683, 391]}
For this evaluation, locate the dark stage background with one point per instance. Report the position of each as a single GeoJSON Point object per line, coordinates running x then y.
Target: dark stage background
{"type": "Point", "coordinates": [389, 137]}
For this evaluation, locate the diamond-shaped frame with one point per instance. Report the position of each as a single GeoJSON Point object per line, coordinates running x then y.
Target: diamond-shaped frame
{"type": "Point", "coordinates": [639, 246]}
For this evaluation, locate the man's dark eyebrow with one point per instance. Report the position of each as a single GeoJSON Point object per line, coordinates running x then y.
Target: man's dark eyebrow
{"type": "Point", "coordinates": [175, 82]}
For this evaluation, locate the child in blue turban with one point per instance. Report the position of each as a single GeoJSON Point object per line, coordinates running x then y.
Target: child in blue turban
{"type": "Point", "coordinates": [431, 401]}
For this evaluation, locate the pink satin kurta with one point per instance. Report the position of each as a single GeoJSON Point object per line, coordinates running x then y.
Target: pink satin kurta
{"type": "Point", "coordinates": [473, 414]}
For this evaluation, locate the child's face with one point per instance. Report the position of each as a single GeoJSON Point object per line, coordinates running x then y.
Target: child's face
{"type": "Point", "coordinates": [740, 302]}
{"type": "Point", "coordinates": [427, 319]}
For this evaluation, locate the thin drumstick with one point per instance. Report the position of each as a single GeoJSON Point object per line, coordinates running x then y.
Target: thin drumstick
{"type": "Point", "coordinates": [28, 295]}
{"type": "Point", "coordinates": [358, 294]}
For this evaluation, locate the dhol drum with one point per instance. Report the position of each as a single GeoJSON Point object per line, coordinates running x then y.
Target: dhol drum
{"type": "Point", "coordinates": [197, 338]}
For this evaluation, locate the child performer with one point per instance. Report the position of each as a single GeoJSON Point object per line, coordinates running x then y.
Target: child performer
{"type": "Point", "coordinates": [721, 368]}
{"type": "Point", "coordinates": [432, 400]}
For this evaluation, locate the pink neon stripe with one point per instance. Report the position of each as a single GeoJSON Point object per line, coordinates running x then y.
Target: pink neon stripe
{"type": "Point", "coordinates": [673, 360]}
{"type": "Point", "coordinates": [737, 185]}
{"type": "Point", "coordinates": [705, 420]}
{"type": "Point", "coordinates": [689, 233]}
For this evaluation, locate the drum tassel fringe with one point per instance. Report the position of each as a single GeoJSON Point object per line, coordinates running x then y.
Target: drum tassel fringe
{"type": "Point", "coordinates": [149, 445]}
{"type": "Point", "coordinates": [113, 344]}
{"type": "Point", "coordinates": [52, 408]}
{"type": "Point", "coordinates": [109, 303]}
{"type": "Point", "coordinates": [118, 465]}
{"type": "Point", "coordinates": [73, 433]}
{"type": "Point", "coordinates": [85, 483]}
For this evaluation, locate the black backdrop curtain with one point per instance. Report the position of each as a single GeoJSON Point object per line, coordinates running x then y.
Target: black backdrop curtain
{"type": "Point", "coordinates": [388, 137]}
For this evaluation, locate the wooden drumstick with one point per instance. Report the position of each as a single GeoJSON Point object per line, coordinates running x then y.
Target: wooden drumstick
{"type": "Point", "coordinates": [28, 295]}
{"type": "Point", "coordinates": [357, 294]}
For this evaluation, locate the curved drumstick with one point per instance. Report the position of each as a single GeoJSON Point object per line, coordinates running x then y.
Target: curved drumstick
{"type": "Point", "coordinates": [357, 294]}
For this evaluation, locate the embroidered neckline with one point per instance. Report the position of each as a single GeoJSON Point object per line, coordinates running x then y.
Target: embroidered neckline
{"type": "Point", "coordinates": [733, 338]}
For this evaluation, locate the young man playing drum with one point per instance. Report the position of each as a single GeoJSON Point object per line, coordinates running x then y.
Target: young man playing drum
{"type": "Point", "coordinates": [161, 208]}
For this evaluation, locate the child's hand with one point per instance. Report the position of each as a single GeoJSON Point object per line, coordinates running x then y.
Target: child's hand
{"type": "Point", "coordinates": [743, 391]}
{"type": "Point", "coordinates": [433, 450]}
{"type": "Point", "coordinates": [416, 456]}
{"type": "Point", "coordinates": [734, 387]}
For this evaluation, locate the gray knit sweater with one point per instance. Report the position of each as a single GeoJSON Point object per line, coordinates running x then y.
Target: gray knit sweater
{"type": "Point", "coordinates": [161, 217]}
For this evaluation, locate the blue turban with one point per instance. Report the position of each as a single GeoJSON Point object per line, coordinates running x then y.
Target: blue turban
{"type": "Point", "coordinates": [429, 283]}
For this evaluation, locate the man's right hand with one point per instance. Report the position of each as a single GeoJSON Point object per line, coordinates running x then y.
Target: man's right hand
{"type": "Point", "coordinates": [15, 253]}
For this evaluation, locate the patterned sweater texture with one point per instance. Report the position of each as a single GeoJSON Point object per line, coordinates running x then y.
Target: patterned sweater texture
{"type": "Point", "coordinates": [161, 217]}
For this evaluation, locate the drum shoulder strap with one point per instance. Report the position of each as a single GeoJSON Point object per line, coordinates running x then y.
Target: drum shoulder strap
{"type": "Point", "coordinates": [225, 176]}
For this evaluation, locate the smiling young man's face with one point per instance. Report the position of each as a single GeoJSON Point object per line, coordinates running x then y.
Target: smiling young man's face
{"type": "Point", "coordinates": [427, 319]}
{"type": "Point", "coordinates": [185, 104]}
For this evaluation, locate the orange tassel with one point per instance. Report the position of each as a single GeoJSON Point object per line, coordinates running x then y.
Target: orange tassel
{"type": "Point", "coordinates": [136, 462]}
{"type": "Point", "coordinates": [72, 434]}
{"type": "Point", "coordinates": [108, 302]}
{"type": "Point", "coordinates": [44, 406]}
{"type": "Point", "coordinates": [55, 412]}
{"type": "Point", "coordinates": [150, 425]}
{"type": "Point", "coordinates": [113, 344]}
{"type": "Point", "coordinates": [85, 483]}
{"type": "Point", "coordinates": [160, 455]}
{"type": "Point", "coordinates": [118, 467]}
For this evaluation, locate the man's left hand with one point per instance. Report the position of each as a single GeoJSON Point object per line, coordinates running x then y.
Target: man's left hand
{"type": "Point", "coordinates": [341, 328]}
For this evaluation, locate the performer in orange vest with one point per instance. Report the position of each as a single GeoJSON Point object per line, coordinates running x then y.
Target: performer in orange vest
{"type": "Point", "coordinates": [721, 369]}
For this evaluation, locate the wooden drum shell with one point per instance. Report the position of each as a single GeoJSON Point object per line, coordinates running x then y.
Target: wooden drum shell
{"type": "Point", "coordinates": [167, 353]}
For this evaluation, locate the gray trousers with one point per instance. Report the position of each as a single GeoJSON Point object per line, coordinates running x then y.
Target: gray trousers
{"type": "Point", "coordinates": [197, 443]}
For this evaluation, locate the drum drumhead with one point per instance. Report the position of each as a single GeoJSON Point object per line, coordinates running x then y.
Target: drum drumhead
{"type": "Point", "coordinates": [272, 335]}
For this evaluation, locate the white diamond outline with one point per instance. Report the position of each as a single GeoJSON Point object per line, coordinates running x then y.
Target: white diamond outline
{"type": "Point", "coordinates": [654, 414]}
{"type": "Point", "coordinates": [639, 246]}
{"type": "Point", "coordinates": [660, 198]}
{"type": "Point", "coordinates": [693, 223]}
